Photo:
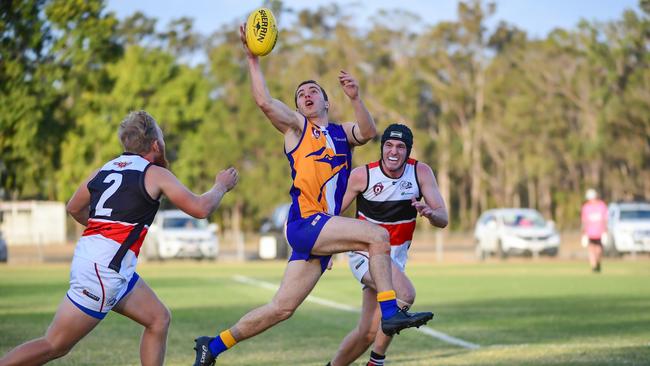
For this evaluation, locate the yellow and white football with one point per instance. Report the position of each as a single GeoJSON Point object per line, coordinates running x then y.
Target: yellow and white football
{"type": "Point", "coordinates": [261, 32]}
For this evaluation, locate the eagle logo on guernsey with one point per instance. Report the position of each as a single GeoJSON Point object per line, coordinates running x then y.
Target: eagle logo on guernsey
{"type": "Point", "coordinates": [328, 156]}
{"type": "Point", "coordinates": [122, 164]}
{"type": "Point", "coordinates": [336, 162]}
{"type": "Point", "coordinates": [315, 132]}
{"type": "Point", "coordinates": [377, 188]}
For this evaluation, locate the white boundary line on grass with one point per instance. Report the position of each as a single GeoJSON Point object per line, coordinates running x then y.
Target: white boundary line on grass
{"type": "Point", "coordinates": [426, 330]}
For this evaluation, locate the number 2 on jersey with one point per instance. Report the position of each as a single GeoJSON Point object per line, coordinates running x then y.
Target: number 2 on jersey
{"type": "Point", "coordinates": [116, 179]}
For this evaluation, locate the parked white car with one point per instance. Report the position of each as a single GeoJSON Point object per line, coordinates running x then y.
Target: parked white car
{"type": "Point", "coordinates": [628, 225]}
{"type": "Point", "coordinates": [175, 234]}
{"type": "Point", "coordinates": [509, 231]}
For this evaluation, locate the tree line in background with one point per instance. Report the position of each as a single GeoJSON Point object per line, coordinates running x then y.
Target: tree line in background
{"type": "Point", "coordinates": [504, 120]}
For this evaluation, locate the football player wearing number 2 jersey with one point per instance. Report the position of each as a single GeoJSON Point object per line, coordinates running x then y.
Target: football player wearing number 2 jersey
{"type": "Point", "coordinates": [116, 204]}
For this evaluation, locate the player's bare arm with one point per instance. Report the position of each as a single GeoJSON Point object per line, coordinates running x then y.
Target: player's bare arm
{"type": "Point", "coordinates": [161, 181]}
{"type": "Point", "coordinates": [281, 116]}
{"type": "Point", "coordinates": [364, 129]}
{"type": "Point", "coordinates": [78, 207]}
{"type": "Point", "coordinates": [433, 207]}
{"type": "Point", "coordinates": [356, 184]}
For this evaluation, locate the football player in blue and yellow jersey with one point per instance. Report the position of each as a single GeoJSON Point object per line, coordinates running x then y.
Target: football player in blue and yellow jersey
{"type": "Point", "coordinates": [319, 154]}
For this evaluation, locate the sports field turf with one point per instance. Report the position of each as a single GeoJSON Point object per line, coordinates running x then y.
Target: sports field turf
{"type": "Point", "coordinates": [518, 312]}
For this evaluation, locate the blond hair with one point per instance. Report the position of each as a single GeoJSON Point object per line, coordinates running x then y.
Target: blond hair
{"type": "Point", "coordinates": [137, 132]}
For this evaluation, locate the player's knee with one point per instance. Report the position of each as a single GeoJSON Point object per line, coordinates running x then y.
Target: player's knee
{"type": "Point", "coordinates": [161, 321]}
{"type": "Point", "coordinates": [383, 236]}
{"type": "Point", "coordinates": [379, 240]}
{"type": "Point", "coordinates": [283, 311]}
{"type": "Point", "coordinates": [368, 337]}
{"type": "Point", "coordinates": [58, 349]}
{"type": "Point", "coordinates": [408, 297]}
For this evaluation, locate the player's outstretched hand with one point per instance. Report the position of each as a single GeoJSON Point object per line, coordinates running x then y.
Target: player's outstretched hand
{"type": "Point", "coordinates": [423, 208]}
{"type": "Point", "coordinates": [242, 36]}
{"type": "Point", "coordinates": [227, 178]}
{"type": "Point", "coordinates": [349, 84]}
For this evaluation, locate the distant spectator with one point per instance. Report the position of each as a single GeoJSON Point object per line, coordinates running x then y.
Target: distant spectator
{"type": "Point", "coordinates": [594, 227]}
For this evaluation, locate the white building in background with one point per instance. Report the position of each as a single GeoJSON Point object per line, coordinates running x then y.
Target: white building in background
{"type": "Point", "coordinates": [33, 222]}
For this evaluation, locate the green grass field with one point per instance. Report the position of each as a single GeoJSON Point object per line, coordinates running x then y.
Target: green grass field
{"type": "Point", "coordinates": [520, 313]}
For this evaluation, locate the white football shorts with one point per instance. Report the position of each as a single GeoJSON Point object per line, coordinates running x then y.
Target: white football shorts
{"type": "Point", "coordinates": [359, 261]}
{"type": "Point", "coordinates": [95, 289]}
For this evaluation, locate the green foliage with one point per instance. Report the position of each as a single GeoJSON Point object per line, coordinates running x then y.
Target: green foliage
{"type": "Point", "coordinates": [504, 120]}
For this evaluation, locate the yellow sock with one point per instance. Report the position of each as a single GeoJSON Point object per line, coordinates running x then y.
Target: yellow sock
{"type": "Point", "coordinates": [387, 303]}
{"type": "Point", "coordinates": [386, 295]}
{"type": "Point", "coordinates": [227, 338]}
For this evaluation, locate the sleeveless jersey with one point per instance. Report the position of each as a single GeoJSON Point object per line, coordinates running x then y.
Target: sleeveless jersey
{"type": "Point", "coordinates": [387, 202]}
{"type": "Point", "coordinates": [121, 211]}
{"type": "Point", "coordinates": [594, 218]}
{"type": "Point", "coordinates": [320, 167]}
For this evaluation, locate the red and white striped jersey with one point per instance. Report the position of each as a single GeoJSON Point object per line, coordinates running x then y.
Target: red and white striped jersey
{"type": "Point", "coordinates": [387, 201]}
{"type": "Point", "coordinates": [121, 211]}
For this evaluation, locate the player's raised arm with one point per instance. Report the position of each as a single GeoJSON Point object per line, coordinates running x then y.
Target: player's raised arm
{"type": "Point", "coordinates": [281, 116]}
{"type": "Point", "coordinates": [433, 207]}
{"type": "Point", "coordinates": [364, 129]}
{"type": "Point", "coordinates": [160, 180]}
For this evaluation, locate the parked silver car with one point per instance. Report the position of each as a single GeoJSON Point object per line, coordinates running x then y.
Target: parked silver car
{"type": "Point", "coordinates": [175, 234]}
{"type": "Point", "coordinates": [273, 244]}
{"type": "Point", "coordinates": [628, 226]}
{"type": "Point", "coordinates": [510, 231]}
{"type": "Point", "coordinates": [3, 249]}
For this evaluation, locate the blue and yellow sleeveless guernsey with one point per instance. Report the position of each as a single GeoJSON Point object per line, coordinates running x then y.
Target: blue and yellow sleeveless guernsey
{"type": "Point", "coordinates": [320, 167]}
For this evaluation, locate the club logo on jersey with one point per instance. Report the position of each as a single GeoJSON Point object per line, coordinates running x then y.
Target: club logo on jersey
{"type": "Point", "coordinates": [337, 163]}
{"type": "Point", "coordinates": [122, 164]}
{"type": "Point", "coordinates": [91, 295]}
{"type": "Point", "coordinates": [315, 132]}
{"type": "Point", "coordinates": [377, 188]}
{"type": "Point", "coordinates": [328, 156]}
{"type": "Point", "coordinates": [404, 185]}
